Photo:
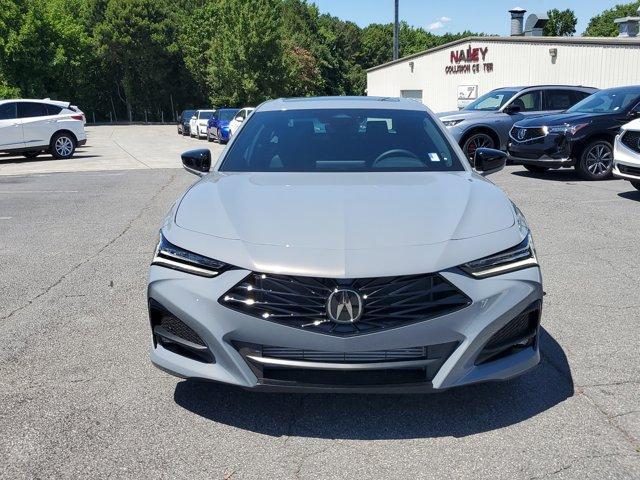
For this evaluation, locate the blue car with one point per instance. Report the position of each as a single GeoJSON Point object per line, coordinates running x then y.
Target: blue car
{"type": "Point", "coordinates": [218, 126]}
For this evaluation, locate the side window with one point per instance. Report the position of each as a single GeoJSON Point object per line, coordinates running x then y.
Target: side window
{"type": "Point", "coordinates": [53, 110]}
{"type": "Point", "coordinates": [31, 109]}
{"type": "Point", "coordinates": [557, 99]}
{"type": "Point", "coordinates": [242, 114]}
{"type": "Point", "coordinates": [7, 111]}
{"type": "Point", "coordinates": [528, 102]}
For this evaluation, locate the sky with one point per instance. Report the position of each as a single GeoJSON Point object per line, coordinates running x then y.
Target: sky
{"type": "Point", "coordinates": [440, 16]}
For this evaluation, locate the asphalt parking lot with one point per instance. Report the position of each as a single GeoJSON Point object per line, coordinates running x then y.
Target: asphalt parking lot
{"type": "Point", "coordinates": [80, 398]}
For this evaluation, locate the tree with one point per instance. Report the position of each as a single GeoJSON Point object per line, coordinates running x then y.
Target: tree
{"type": "Point", "coordinates": [246, 63]}
{"type": "Point", "coordinates": [602, 25]}
{"type": "Point", "coordinates": [561, 23]}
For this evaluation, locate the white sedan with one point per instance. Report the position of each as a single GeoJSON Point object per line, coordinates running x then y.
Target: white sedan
{"type": "Point", "coordinates": [198, 123]}
{"type": "Point", "coordinates": [242, 115]}
{"type": "Point", "coordinates": [626, 153]}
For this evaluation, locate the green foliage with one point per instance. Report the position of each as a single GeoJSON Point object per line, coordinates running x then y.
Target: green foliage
{"type": "Point", "coordinates": [602, 25]}
{"type": "Point", "coordinates": [131, 58]}
{"type": "Point", "coordinates": [561, 23]}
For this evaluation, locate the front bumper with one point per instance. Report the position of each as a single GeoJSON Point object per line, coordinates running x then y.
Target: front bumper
{"type": "Point", "coordinates": [230, 335]}
{"type": "Point", "coordinates": [626, 162]}
{"type": "Point", "coordinates": [552, 151]}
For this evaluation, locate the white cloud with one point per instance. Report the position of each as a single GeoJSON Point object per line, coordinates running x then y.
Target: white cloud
{"type": "Point", "coordinates": [438, 24]}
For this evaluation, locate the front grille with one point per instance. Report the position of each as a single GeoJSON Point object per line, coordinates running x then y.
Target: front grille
{"type": "Point", "coordinates": [517, 334]}
{"type": "Point", "coordinates": [632, 140]}
{"type": "Point", "coordinates": [301, 302]}
{"type": "Point", "coordinates": [522, 134]}
{"type": "Point", "coordinates": [434, 357]}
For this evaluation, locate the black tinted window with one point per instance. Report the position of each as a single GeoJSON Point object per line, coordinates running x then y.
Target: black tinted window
{"type": "Point", "coordinates": [31, 109]}
{"type": "Point", "coordinates": [53, 110]}
{"type": "Point", "coordinates": [558, 99]}
{"type": "Point", "coordinates": [341, 140]}
{"type": "Point", "coordinates": [7, 111]}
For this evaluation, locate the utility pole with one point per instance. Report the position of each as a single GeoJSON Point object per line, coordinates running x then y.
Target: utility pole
{"type": "Point", "coordinates": [395, 31]}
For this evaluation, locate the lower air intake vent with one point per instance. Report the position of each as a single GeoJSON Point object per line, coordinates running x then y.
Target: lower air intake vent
{"type": "Point", "coordinates": [518, 334]}
{"type": "Point", "coordinates": [175, 336]}
{"type": "Point", "coordinates": [382, 303]}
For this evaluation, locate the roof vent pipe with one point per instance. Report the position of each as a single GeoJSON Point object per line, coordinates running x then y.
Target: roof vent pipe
{"type": "Point", "coordinates": [628, 26]}
{"type": "Point", "coordinates": [534, 26]}
{"type": "Point", "coordinates": [517, 20]}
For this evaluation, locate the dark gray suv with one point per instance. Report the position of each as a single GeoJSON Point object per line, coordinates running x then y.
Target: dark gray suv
{"type": "Point", "coordinates": [486, 122]}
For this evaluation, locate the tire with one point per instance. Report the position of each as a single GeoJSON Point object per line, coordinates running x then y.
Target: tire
{"type": "Point", "coordinates": [596, 160]}
{"type": "Point", "coordinates": [536, 168]}
{"type": "Point", "coordinates": [475, 141]}
{"type": "Point", "coordinates": [636, 185]}
{"type": "Point", "coordinates": [31, 154]}
{"type": "Point", "coordinates": [63, 145]}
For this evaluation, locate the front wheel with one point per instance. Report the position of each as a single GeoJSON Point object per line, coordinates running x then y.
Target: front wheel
{"type": "Point", "coordinates": [62, 145]}
{"type": "Point", "coordinates": [536, 168]}
{"type": "Point", "coordinates": [636, 185]}
{"type": "Point", "coordinates": [596, 161]}
{"type": "Point", "coordinates": [474, 142]}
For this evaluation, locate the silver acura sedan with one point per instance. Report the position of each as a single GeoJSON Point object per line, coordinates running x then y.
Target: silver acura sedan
{"type": "Point", "coordinates": [344, 244]}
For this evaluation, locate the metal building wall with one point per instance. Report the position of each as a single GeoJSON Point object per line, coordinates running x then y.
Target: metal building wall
{"type": "Point", "coordinates": [522, 62]}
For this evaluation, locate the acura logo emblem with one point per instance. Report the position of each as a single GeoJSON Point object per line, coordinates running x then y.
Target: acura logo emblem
{"type": "Point", "coordinates": [344, 306]}
{"type": "Point", "coordinates": [521, 134]}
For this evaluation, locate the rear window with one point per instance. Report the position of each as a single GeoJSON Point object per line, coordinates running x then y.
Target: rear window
{"type": "Point", "coordinates": [31, 109]}
{"type": "Point", "coordinates": [341, 140]}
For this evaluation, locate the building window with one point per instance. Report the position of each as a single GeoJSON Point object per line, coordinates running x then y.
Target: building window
{"type": "Point", "coordinates": [413, 94]}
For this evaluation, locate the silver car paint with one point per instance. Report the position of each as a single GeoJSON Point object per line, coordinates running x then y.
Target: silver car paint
{"type": "Point", "coordinates": [297, 224]}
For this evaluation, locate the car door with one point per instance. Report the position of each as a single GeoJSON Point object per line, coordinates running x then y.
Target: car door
{"type": "Point", "coordinates": [37, 125]}
{"type": "Point", "coordinates": [10, 128]}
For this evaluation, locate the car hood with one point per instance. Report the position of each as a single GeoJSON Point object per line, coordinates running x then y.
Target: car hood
{"type": "Point", "coordinates": [632, 125]}
{"type": "Point", "coordinates": [339, 223]}
{"type": "Point", "coordinates": [557, 119]}
{"type": "Point", "coordinates": [465, 115]}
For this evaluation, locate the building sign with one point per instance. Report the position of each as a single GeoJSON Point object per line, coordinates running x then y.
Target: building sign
{"type": "Point", "coordinates": [467, 94]}
{"type": "Point", "coordinates": [471, 60]}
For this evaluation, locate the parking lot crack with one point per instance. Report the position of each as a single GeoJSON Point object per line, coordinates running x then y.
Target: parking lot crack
{"type": "Point", "coordinates": [78, 265]}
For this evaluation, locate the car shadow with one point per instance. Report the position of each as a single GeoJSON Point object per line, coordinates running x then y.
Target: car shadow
{"type": "Point", "coordinates": [557, 175]}
{"type": "Point", "coordinates": [457, 412]}
{"type": "Point", "coordinates": [631, 195]}
{"type": "Point", "coordinates": [40, 158]}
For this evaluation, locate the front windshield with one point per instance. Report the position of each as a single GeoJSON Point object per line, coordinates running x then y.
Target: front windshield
{"type": "Point", "coordinates": [187, 114]}
{"type": "Point", "coordinates": [607, 101]}
{"type": "Point", "coordinates": [206, 115]}
{"type": "Point", "coordinates": [491, 101]}
{"type": "Point", "coordinates": [341, 140]}
{"type": "Point", "coordinates": [227, 115]}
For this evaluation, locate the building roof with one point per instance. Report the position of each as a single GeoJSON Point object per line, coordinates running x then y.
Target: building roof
{"type": "Point", "coordinates": [625, 41]}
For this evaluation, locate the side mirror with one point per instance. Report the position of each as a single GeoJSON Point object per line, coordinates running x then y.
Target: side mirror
{"type": "Point", "coordinates": [489, 160]}
{"type": "Point", "coordinates": [239, 119]}
{"type": "Point", "coordinates": [512, 110]}
{"type": "Point", "coordinates": [635, 112]}
{"type": "Point", "coordinates": [197, 161]}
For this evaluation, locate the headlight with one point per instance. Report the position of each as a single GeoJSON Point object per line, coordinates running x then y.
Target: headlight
{"type": "Point", "coordinates": [451, 123]}
{"type": "Point", "coordinates": [570, 129]}
{"type": "Point", "coordinates": [169, 256]}
{"type": "Point", "coordinates": [519, 257]}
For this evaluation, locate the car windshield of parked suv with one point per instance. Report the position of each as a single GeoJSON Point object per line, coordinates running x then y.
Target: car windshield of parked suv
{"type": "Point", "coordinates": [608, 101]}
{"type": "Point", "coordinates": [227, 114]}
{"type": "Point", "coordinates": [491, 101]}
{"type": "Point", "coordinates": [187, 114]}
{"type": "Point", "coordinates": [206, 115]}
{"type": "Point", "coordinates": [341, 140]}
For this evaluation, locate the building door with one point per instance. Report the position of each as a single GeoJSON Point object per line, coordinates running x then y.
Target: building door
{"type": "Point", "coordinates": [413, 94]}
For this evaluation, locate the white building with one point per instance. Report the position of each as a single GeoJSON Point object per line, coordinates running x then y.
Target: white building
{"type": "Point", "coordinates": [449, 76]}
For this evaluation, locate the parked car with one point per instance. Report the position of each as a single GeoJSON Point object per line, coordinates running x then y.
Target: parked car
{"type": "Point", "coordinates": [582, 137]}
{"type": "Point", "coordinates": [271, 272]}
{"type": "Point", "coordinates": [486, 121]}
{"type": "Point", "coordinates": [198, 123]}
{"type": "Point", "coordinates": [184, 119]}
{"type": "Point", "coordinates": [32, 127]}
{"type": "Point", "coordinates": [626, 153]}
{"type": "Point", "coordinates": [241, 116]}
{"type": "Point", "coordinates": [218, 125]}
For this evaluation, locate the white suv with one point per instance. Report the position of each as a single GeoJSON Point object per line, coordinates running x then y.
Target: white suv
{"type": "Point", "coordinates": [32, 127]}
{"type": "Point", "coordinates": [199, 122]}
{"type": "Point", "coordinates": [626, 153]}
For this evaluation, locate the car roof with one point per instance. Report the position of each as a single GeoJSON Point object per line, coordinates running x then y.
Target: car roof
{"type": "Point", "coordinates": [38, 100]}
{"type": "Point", "coordinates": [520, 88]}
{"type": "Point", "coordinates": [308, 103]}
